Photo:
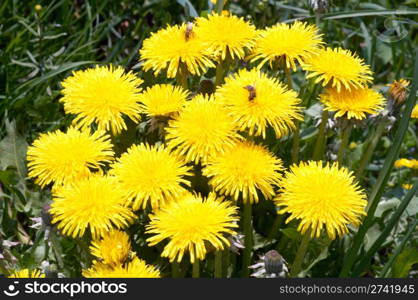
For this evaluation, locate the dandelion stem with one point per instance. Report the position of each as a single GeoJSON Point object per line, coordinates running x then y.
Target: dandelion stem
{"type": "Point", "coordinates": [320, 141]}
{"type": "Point", "coordinates": [218, 264]}
{"type": "Point", "coordinates": [219, 6]}
{"type": "Point", "coordinates": [275, 227]}
{"type": "Point", "coordinates": [345, 137]}
{"type": "Point", "coordinates": [248, 239]}
{"type": "Point", "coordinates": [219, 73]}
{"type": "Point", "coordinates": [175, 269]}
{"type": "Point", "coordinates": [182, 76]}
{"type": "Point", "coordinates": [367, 154]}
{"type": "Point", "coordinates": [196, 269]}
{"type": "Point", "coordinates": [300, 255]}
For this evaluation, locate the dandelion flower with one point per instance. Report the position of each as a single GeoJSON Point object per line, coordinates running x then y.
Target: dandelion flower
{"type": "Point", "coordinates": [291, 43]}
{"type": "Point", "coordinates": [407, 163]}
{"type": "Point", "coordinates": [398, 90]}
{"type": "Point", "coordinates": [414, 113]}
{"type": "Point", "coordinates": [355, 103]}
{"type": "Point", "coordinates": [256, 101]}
{"type": "Point", "coordinates": [321, 197]}
{"type": "Point", "coordinates": [163, 100]}
{"type": "Point", "coordinates": [190, 224]}
{"type": "Point", "coordinates": [102, 96]}
{"type": "Point", "coordinates": [150, 174]}
{"type": "Point", "coordinates": [338, 68]}
{"type": "Point", "coordinates": [26, 273]}
{"type": "Point", "coordinates": [226, 35]}
{"type": "Point", "coordinates": [65, 157]}
{"type": "Point", "coordinates": [96, 202]}
{"type": "Point", "coordinates": [169, 48]}
{"type": "Point", "coordinates": [137, 268]}
{"type": "Point", "coordinates": [113, 249]}
{"type": "Point", "coordinates": [202, 129]}
{"type": "Point", "coordinates": [407, 186]}
{"type": "Point", "coordinates": [244, 170]}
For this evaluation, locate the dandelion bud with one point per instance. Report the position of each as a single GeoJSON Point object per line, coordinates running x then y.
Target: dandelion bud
{"type": "Point", "coordinates": [273, 262]}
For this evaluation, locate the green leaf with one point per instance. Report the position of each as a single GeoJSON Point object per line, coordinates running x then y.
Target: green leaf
{"type": "Point", "coordinates": [13, 150]}
{"type": "Point", "coordinates": [404, 262]}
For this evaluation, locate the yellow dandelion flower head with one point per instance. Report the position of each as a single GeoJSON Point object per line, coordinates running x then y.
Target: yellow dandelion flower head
{"type": "Point", "coordinates": [113, 249]}
{"type": "Point", "coordinates": [321, 197]}
{"type": "Point", "coordinates": [66, 157]}
{"type": "Point", "coordinates": [338, 68]}
{"type": "Point", "coordinates": [136, 268]}
{"type": "Point", "coordinates": [243, 171]}
{"type": "Point", "coordinates": [226, 35]}
{"type": "Point", "coordinates": [163, 100]}
{"type": "Point", "coordinates": [354, 103]}
{"type": "Point", "coordinates": [407, 186]}
{"type": "Point", "coordinates": [202, 129]}
{"type": "Point", "coordinates": [26, 273]}
{"type": "Point", "coordinates": [96, 202]}
{"type": "Point", "coordinates": [414, 113]}
{"type": "Point", "coordinates": [398, 90]}
{"type": "Point", "coordinates": [191, 222]}
{"type": "Point", "coordinates": [407, 163]}
{"type": "Point", "coordinates": [167, 48]}
{"type": "Point", "coordinates": [256, 101]}
{"type": "Point", "coordinates": [214, 1]}
{"type": "Point", "coordinates": [291, 43]}
{"type": "Point", "coordinates": [150, 174]}
{"type": "Point", "coordinates": [102, 96]}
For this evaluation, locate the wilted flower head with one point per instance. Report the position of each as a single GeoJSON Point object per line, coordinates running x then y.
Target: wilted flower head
{"type": "Point", "coordinates": [271, 265]}
{"type": "Point", "coordinates": [398, 90]}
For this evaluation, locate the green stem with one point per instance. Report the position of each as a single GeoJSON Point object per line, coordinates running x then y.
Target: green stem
{"type": "Point", "coordinates": [320, 142]}
{"type": "Point", "coordinates": [275, 227]}
{"type": "Point", "coordinates": [219, 73]}
{"type": "Point", "coordinates": [248, 239]}
{"type": "Point", "coordinates": [175, 269]}
{"type": "Point", "coordinates": [300, 255]}
{"type": "Point", "coordinates": [196, 269]}
{"type": "Point", "coordinates": [219, 6]}
{"type": "Point", "coordinates": [367, 155]}
{"type": "Point", "coordinates": [345, 137]}
{"type": "Point", "coordinates": [182, 76]}
{"type": "Point", "coordinates": [218, 264]}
